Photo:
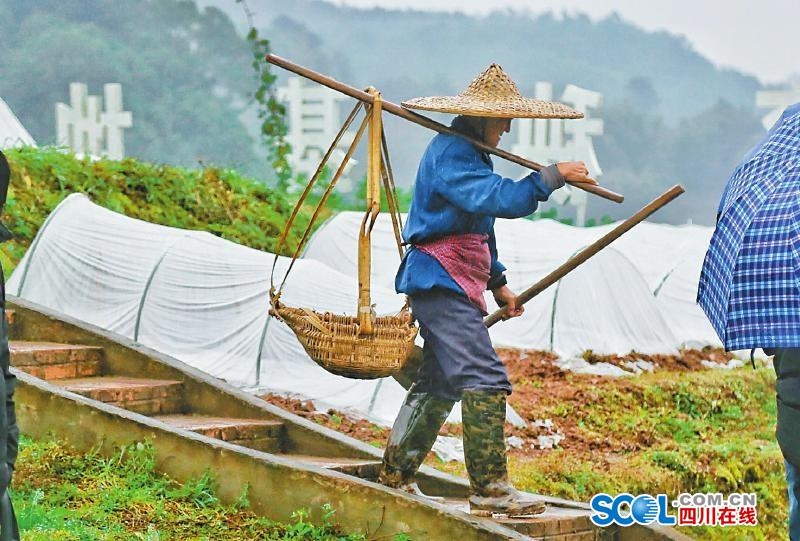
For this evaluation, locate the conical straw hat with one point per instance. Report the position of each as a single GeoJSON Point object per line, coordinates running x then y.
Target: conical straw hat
{"type": "Point", "coordinates": [493, 94]}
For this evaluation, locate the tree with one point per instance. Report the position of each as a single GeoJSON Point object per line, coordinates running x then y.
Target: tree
{"type": "Point", "coordinates": [185, 74]}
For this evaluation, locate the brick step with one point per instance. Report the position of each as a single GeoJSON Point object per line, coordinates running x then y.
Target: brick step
{"type": "Point", "coordinates": [49, 360]}
{"type": "Point", "coordinates": [365, 468]}
{"type": "Point", "coordinates": [257, 434]}
{"type": "Point", "coordinates": [145, 396]}
{"type": "Point", "coordinates": [556, 523]}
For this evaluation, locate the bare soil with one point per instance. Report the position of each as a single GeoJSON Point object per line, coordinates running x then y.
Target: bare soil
{"type": "Point", "coordinates": [356, 428]}
{"type": "Point", "coordinates": [539, 384]}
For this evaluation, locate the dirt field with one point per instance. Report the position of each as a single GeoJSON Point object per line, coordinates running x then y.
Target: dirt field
{"type": "Point", "coordinates": [539, 384]}
{"type": "Point", "coordinates": [681, 427]}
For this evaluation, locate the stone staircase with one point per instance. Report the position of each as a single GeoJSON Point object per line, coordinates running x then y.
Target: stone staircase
{"type": "Point", "coordinates": [86, 370]}
{"type": "Point", "coordinates": [80, 369]}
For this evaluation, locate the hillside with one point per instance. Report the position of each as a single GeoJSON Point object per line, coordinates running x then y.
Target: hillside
{"type": "Point", "coordinates": [670, 116]}
{"type": "Point", "coordinates": [219, 201]}
{"type": "Point", "coordinates": [407, 53]}
{"type": "Point", "coordinates": [186, 74]}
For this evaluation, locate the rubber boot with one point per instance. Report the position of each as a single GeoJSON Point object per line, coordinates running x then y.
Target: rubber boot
{"type": "Point", "coordinates": [412, 437]}
{"type": "Point", "coordinates": [483, 414]}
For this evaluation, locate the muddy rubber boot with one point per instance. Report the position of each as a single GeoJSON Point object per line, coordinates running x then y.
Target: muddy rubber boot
{"type": "Point", "coordinates": [412, 437]}
{"type": "Point", "coordinates": [483, 414]}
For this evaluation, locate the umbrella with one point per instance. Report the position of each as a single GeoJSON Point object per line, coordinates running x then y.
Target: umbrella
{"type": "Point", "coordinates": [750, 282]}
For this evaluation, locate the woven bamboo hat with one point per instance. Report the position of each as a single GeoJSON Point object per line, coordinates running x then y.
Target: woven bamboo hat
{"type": "Point", "coordinates": [493, 94]}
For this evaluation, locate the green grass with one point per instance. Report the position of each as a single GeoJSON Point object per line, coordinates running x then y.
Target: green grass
{"type": "Point", "coordinates": [668, 432]}
{"type": "Point", "coordinates": [219, 201]}
{"type": "Point", "coordinates": [64, 495]}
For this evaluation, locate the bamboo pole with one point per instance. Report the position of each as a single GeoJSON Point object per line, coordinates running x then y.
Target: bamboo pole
{"type": "Point", "coordinates": [427, 122]}
{"type": "Point", "coordinates": [366, 313]}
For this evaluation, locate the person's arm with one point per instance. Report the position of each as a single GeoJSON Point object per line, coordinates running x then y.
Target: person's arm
{"type": "Point", "coordinates": [469, 183]}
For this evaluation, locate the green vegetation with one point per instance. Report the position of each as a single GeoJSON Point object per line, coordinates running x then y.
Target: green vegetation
{"type": "Point", "coordinates": [63, 495]}
{"type": "Point", "coordinates": [271, 112]}
{"type": "Point", "coordinates": [220, 201]}
{"type": "Point", "coordinates": [186, 74]}
{"type": "Point", "coordinates": [666, 432]}
{"type": "Point", "coordinates": [187, 78]}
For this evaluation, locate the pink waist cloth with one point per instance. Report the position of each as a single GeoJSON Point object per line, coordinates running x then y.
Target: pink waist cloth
{"type": "Point", "coordinates": [466, 259]}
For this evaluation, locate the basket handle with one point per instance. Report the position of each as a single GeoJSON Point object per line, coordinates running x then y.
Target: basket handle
{"type": "Point", "coordinates": [322, 200]}
{"type": "Point", "coordinates": [365, 313]}
{"type": "Point", "coordinates": [312, 318]}
{"type": "Point", "coordinates": [391, 195]}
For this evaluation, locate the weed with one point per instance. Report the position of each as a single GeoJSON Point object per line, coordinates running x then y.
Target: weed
{"type": "Point", "coordinates": [60, 494]}
{"type": "Point", "coordinates": [216, 200]}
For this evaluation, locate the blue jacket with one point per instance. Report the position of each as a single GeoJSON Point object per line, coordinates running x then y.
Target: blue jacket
{"type": "Point", "coordinates": [457, 191]}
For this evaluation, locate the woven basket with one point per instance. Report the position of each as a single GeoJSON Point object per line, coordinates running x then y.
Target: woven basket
{"type": "Point", "coordinates": [333, 341]}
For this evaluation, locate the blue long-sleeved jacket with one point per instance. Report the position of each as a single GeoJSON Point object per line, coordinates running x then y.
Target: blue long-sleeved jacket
{"type": "Point", "coordinates": [457, 192]}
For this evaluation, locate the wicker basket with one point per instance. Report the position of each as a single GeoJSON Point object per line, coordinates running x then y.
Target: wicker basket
{"type": "Point", "coordinates": [333, 341]}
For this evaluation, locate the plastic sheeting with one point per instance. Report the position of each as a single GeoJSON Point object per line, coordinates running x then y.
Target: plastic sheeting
{"type": "Point", "coordinates": [204, 300]}
{"type": "Point", "coordinates": [638, 294]}
{"type": "Point", "coordinates": [198, 298]}
{"type": "Point", "coordinates": [12, 132]}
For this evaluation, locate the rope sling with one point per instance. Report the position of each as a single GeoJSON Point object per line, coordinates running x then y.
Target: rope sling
{"type": "Point", "coordinates": [364, 346]}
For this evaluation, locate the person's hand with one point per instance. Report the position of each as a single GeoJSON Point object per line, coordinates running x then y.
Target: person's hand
{"type": "Point", "coordinates": [508, 299]}
{"type": "Point", "coordinates": [575, 172]}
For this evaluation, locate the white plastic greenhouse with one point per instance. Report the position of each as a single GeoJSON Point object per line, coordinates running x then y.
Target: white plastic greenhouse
{"type": "Point", "coordinates": [198, 298]}
{"type": "Point", "coordinates": [204, 300]}
{"type": "Point", "coordinates": [638, 294]}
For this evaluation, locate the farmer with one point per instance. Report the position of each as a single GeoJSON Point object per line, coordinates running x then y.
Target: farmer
{"type": "Point", "coordinates": [451, 261]}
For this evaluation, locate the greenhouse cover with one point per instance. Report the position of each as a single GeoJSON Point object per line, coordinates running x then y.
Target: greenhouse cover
{"type": "Point", "coordinates": [204, 300]}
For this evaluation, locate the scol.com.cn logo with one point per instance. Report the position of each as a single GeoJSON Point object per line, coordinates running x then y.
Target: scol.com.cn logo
{"type": "Point", "coordinates": [700, 509]}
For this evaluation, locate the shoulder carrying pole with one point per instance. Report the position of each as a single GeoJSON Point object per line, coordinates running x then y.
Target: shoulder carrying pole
{"type": "Point", "coordinates": [427, 122]}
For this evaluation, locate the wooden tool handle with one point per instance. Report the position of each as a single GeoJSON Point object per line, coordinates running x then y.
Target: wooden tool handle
{"type": "Point", "coordinates": [582, 256]}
